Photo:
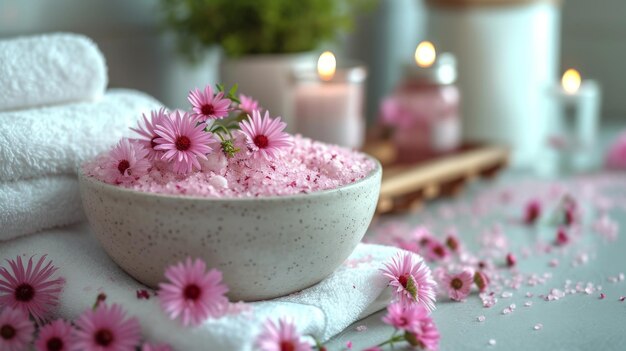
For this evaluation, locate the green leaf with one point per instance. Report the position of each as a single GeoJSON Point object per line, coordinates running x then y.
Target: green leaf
{"type": "Point", "coordinates": [233, 90]}
{"type": "Point", "coordinates": [411, 287]}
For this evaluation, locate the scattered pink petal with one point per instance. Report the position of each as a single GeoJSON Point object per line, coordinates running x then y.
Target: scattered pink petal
{"type": "Point", "coordinates": [510, 260]}
{"type": "Point", "coordinates": [532, 211]}
{"type": "Point", "coordinates": [561, 237]}
{"type": "Point", "coordinates": [143, 294]}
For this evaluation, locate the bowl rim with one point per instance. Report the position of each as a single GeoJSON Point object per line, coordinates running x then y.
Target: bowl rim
{"type": "Point", "coordinates": [82, 177]}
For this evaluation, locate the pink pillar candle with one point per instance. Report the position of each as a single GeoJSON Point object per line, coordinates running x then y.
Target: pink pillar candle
{"type": "Point", "coordinates": [329, 107]}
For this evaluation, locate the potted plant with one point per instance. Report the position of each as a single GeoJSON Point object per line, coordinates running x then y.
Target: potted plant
{"type": "Point", "coordinates": [262, 40]}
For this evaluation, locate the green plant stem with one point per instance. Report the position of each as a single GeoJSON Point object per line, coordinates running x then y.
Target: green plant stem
{"type": "Point", "coordinates": [394, 338]}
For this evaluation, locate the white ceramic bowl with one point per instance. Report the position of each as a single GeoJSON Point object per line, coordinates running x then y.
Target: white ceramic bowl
{"type": "Point", "coordinates": [266, 247]}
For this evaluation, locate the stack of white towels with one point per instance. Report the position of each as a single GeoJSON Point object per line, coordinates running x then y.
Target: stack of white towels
{"type": "Point", "coordinates": [55, 113]}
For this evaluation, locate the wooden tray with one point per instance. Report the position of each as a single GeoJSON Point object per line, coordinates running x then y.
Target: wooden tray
{"type": "Point", "coordinates": [406, 187]}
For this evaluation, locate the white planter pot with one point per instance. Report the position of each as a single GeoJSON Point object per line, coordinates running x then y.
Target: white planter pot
{"type": "Point", "coordinates": [178, 76]}
{"type": "Point", "coordinates": [267, 78]}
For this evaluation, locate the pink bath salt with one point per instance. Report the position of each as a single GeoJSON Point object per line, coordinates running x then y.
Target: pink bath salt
{"type": "Point", "coordinates": [306, 167]}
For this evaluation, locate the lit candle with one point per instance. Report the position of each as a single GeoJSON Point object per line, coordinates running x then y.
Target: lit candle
{"type": "Point", "coordinates": [575, 132]}
{"type": "Point", "coordinates": [329, 102]}
{"type": "Point", "coordinates": [424, 109]}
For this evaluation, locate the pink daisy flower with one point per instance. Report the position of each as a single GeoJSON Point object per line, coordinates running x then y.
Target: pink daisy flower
{"type": "Point", "coordinates": [248, 104]}
{"type": "Point", "coordinates": [55, 336]}
{"type": "Point", "coordinates": [404, 317]}
{"type": "Point", "coordinates": [126, 162]}
{"type": "Point", "coordinates": [147, 132]}
{"type": "Point", "coordinates": [423, 236]}
{"type": "Point", "coordinates": [156, 347]}
{"type": "Point", "coordinates": [426, 336]}
{"type": "Point", "coordinates": [436, 251]}
{"type": "Point", "coordinates": [192, 292]}
{"type": "Point", "coordinates": [412, 280]}
{"type": "Point", "coordinates": [280, 337]}
{"type": "Point", "coordinates": [30, 289]}
{"type": "Point", "coordinates": [458, 285]}
{"type": "Point", "coordinates": [265, 135]}
{"type": "Point", "coordinates": [106, 328]}
{"type": "Point", "coordinates": [208, 105]}
{"type": "Point", "coordinates": [183, 141]}
{"type": "Point", "coordinates": [16, 330]}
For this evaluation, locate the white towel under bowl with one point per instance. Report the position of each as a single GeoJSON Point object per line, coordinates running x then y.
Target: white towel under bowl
{"type": "Point", "coordinates": [355, 290]}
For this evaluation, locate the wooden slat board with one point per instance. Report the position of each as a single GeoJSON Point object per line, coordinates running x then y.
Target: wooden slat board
{"type": "Point", "coordinates": [407, 186]}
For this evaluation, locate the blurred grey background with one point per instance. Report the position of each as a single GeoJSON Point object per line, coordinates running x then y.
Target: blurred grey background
{"type": "Point", "coordinates": [141, 55]}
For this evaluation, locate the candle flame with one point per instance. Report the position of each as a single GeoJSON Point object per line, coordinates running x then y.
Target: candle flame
{"type": "Point", "coordinates": [425, 54]}
{"type": "Point", "coordinates": [571, 81]}
{"type": "Point", "coordinates": [326, 65]}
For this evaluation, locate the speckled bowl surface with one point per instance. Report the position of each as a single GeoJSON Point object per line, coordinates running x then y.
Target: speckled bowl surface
{"type": "Point", "coordinates": [266, 247]}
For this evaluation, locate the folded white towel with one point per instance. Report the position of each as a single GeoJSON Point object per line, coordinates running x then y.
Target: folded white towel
{"type": "Point", "coordinates": [50, 69]}
{"type": "Point", "coordinates": [28, 206]}
{"type": "Point", "coordinates": [55, 140]}
{"type": "Point", "coordinates": [352, 292]}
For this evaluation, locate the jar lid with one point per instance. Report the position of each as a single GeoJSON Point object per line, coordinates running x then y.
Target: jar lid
{"type": "Point", "coordinates": [485, 3]}
{"type": "Point", "coordinates": [443, 70]}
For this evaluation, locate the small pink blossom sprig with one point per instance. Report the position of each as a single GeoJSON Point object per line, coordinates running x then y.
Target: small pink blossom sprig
{"type": "Point", "coordinates": [218, 121]}
{"type": "Point", "coordinates": [415, 325]}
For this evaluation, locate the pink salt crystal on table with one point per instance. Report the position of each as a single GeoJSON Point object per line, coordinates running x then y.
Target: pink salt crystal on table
{"type": "Point", "coordinates": [538, 326]}
{"type": "Point", "coordinates": [481, 318]}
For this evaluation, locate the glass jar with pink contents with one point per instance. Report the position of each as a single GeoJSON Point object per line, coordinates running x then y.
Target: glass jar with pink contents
{"type": "Point", "coordinates": [423, 111]}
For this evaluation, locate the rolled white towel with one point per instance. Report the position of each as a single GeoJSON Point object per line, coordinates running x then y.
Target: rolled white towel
{"type": "Point", "coordinates": [50, 69]}
{"type": "Point", "coordinates": [28, 206]}
{"type": "Point", "coordinates": [55, 140]}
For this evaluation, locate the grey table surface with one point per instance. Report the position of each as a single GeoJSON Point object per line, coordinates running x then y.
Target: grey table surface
{"type": "Point", "coordinates": [575, 322]}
